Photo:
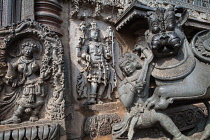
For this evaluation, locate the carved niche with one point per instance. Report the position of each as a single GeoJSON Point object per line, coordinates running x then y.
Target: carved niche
{"type": "Point", "coordinates": [97, 79]}
{"type": "Point", "coordinates": [32, 74]}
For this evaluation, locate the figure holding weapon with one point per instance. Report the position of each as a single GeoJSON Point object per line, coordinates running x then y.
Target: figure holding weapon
{"type": "Point", "coordinates": [98, 71]}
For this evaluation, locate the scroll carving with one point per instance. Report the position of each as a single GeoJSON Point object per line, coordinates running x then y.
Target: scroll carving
{"type": "Point", "coordinates": [97, 59]}
{"type": "Point", "coordinates": [100, 125]}
{"type": "Point", "coordinates": [55, 107]}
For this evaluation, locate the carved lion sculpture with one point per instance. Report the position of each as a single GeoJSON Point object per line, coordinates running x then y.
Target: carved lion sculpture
{"type": "Point", "coordinates": [181, 70]}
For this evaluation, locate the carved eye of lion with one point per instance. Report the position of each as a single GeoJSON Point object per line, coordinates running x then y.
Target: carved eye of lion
{"type": "Point", "coordinates": [170, 27]}
{"type": "Point", "coordinates": [155, 29]}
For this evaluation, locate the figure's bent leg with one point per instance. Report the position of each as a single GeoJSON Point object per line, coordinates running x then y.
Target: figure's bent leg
{"type": "Point", "coordinates": [16, 116]}
{"type": "Point", "coordinates": [35, 111]}
{"type": "Point", "coordinates": [100, 93]}
{"type": "Point", "coordinates": [131, 127]}
{"type": "Point", "coordinates": [163, 103]}
{"type": "Point", "coordinates": [168, 125]}
{"type": "Point", "coordinates": [93, 88]}
{"type": "Point", "coordinates": [34, 115]}
{"type": "Point", "coordinates": [177, 91]}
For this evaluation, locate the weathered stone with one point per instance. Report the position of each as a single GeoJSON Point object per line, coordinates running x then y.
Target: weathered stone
{"type": "Point", "coordinates": [132, 52]}
{"type": "Point", "coordinates": [27, 10]}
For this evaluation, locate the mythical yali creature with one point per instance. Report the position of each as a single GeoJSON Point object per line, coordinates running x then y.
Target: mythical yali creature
{"type": "Point", "coordinates": [181, 69]}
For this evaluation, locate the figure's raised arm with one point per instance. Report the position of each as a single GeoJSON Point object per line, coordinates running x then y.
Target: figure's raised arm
{"type": "Point", "coordinates": [149, 57]}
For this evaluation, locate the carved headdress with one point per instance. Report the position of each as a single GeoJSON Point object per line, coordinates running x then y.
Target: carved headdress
{"type": "Point", "coordinates": [94, 26]}
{"type": "Point", "coordinates": [129, 57]}
{"type": "Point", "coordinates": [93, 30]}
{"type": "Point", "coordinates": [162, 20]}
{"type": "Point", "coordinates": [29, 42]}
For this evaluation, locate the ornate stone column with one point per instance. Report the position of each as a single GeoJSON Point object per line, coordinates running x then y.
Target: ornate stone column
{"type": "Point", "coordinates": [48, 12]}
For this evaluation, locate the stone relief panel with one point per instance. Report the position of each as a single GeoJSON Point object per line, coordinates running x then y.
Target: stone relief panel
{"type": "Point", "coordinates": [97, 79]}
{"type": "Point", "coordinates": [32, 74]}
{"type": "Point", "coordinates": [94, 54]}
{"type": "Point", "coordinates": [93, 37]}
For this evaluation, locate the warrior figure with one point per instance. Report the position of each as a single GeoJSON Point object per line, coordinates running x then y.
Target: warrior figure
{"type": "Point", "coordinates": [132, 94]}
{"type": "Point", "coordinates": [98, 57]}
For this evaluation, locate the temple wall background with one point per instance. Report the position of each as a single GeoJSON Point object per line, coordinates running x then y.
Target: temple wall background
{"type": "Point", "coordinates": [69, 21]}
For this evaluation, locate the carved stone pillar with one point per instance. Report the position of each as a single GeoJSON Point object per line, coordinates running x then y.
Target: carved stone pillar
{"type": "Point", "coordinates": [27, 9]}
{"type": "Point", "coordinates": [47, 12]}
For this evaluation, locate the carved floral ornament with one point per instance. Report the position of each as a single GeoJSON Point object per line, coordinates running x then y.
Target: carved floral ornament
{"type": "Point", "coordinates": [32, 73]}
{"type": "Point", "coordinates": [99, 6]}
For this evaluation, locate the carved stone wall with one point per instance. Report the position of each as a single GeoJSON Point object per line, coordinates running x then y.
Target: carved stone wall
{"type": "Point", "coordinates": [89, 16]}
{"type": "Point", "coordinates": [82, 75]}
{"type": "Point", "coordinates": [65, 75]}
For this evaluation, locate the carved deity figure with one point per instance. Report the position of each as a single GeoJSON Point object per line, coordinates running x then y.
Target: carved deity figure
{"type": "Point", "coordinates": [98, 71]}
{"type": "Point", "coordinates": [132, 94]}
{"type": "Point", "coordinates": [25, 73]}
